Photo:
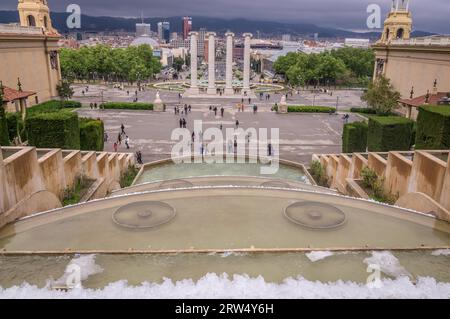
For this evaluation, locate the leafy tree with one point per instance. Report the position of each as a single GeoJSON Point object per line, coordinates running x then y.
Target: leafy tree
{"type": "Point", "coordinates": [109, 64]}
{"type": "Point", "coordinates": [4, 135]}
{"type": "Point", "coordinates": [64, 90]}
{"type": "Point", "coordinates": [178, 63]}
{"type": "Point", "coordinates": [381, 96]}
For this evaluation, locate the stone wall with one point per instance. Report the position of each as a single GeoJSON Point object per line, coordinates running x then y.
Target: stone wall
{"type": "Point", "coordinates": [406, 174]}
{"type": "Point", "coordinates": [34, 180]}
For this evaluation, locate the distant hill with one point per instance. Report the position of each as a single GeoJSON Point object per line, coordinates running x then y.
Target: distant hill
{"type": "Point", "coordinates": [101, 24]}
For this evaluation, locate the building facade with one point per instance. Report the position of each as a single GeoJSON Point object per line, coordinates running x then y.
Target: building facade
{"type": "Point", "coordinates": [29, 52]}
{"type": "Point", "coordinates": [187, 27]}
{"type": "Point", "coordinates": [413, 65]}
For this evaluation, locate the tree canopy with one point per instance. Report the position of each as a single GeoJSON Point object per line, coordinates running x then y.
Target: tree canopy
{"type": "Point", "coordinates": [110, 64]}
{"type": "Point", "coordinates": [381, 96]}
{"type": "Point", "coordinates": [348, 66]}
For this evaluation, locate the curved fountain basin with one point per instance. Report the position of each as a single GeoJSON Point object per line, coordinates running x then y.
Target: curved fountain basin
{"type": "Point", "coordinates": [167, 169]}
{"type": "Point", "coordinates": [203, 181]}
{"type": "Point", "coordinates": [224, 218]}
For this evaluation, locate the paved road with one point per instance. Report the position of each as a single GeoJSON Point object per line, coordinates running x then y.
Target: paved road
{"type": "Point", "coordinates": [301, 135]}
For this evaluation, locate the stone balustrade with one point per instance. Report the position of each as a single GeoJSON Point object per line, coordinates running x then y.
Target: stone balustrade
{"type": "Point", "coordinates": [420, 179]}
{"type": "Point", "coordinates": [34, 180]}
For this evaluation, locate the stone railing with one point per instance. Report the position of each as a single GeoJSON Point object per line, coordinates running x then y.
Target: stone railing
{"type": "Point", "coordinates": [17, 29]}
{"type": "Point", "coordinates": [436, 41]}
{"type": "Point", "coordinates": [34, 180]}
{"type": "Point", "coordinates": [420, 179]}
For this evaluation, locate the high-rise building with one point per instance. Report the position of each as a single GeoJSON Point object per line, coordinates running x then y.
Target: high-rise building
{"type": "Point", "coordinates": [201, 42]}
{"type": "Point", "coordinates": [142, 29]}
{"type": "Point", "coordinates": [286, 37]}
{"type": "Point", "coordinates": [164, 31]}
{"type": "Point", "coordinates": [187, 27]}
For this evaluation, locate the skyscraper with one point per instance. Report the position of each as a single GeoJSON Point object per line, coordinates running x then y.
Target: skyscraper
{"type": "Point", "coordinates": [142, 29]}
{"type": "Point", "coordinates": [164, 31]}
{"type": "Point", "coordinates": [187, 27]}
{"type": "Point", "coordinates": [201, 42]}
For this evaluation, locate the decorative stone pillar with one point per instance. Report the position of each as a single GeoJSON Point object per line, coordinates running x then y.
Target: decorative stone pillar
{"type": "Point", "coordinates": [194, 85]}
{"type": "Point", "coordinates": [211, 63]}
{"type": "Point", "coordinates": [246, 84]}
{"type": "Point", "coordinates": [229, 64]}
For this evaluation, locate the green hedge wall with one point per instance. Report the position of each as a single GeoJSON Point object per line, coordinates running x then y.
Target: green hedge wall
{"type": "Point", "coordinates": [15, 123]}
{"type": "Point", "coordinates": [389, 133]}
{"type": "Point", "coordinates": [311, 109]}
{"type": "Point", "coordinates": [54, 130]}
{"type": "Point", "coordinates": [127, 106]}
{"type": "Point", "coordinates": [53, 106]}
{"type": "Point", "coordinates": [433, 127]}
{"type": "Point", "coordinates": [4, 135]}
{"type": "Point", "coordinates": [91, 134]}
{"type": "Point", "coordinates": [363, 110]}
{"type": "Point", "coordinates": [354, 137]}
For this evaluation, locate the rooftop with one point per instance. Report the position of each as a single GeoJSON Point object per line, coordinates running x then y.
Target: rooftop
{"type": "Point", "coordinates": [11, 95]}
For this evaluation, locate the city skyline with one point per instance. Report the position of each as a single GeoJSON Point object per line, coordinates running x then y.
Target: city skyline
{"type": "Point", "coordinates": [347, 14]}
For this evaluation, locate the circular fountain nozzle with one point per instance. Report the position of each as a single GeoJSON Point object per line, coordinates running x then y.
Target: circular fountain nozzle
{"type": "Point", "coordinates": [141, 215]}
{"type": "Point", "coordinates": [175, 183]}
{"type": "Point", "coordinates": [315, 215]}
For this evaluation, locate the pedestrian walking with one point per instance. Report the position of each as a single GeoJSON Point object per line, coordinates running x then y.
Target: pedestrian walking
{"type": "Point", "coordinates": [115, 147]}
{"type": "Point", "coordinates": [119, 139]}
{"type": "Point", "coordinates": [127, 142]}
{"type": "Point", "coordinates": [181, 122]}
{"type": "Point", "coordinates": [237, 123]}
{"type": "Point", "coordinates": [105, 137]}
{"type": "Point", "coordinates": [122, 127]}
{"type": "Point", "coordinates": [269, 149]}
{"type": "Point", "coordinates": [222, 110]}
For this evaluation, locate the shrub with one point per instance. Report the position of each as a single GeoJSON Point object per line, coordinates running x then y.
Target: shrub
{"type": "Point", "coordinates": [4, 136]}
{"type": "Point", "coordinates": [16, 126]}
{"type": "Point", "coordinates": [128, 177]}
{"type": "Point", "coordinates": [127, 106]}
{"type": "Point", "coordinates": [54, 130]}
{"type": "Point", "coordinates": [389, 133]}
{"type": "Point", "coordinates": [53, 106]}
{"type": "Point", "coordinates": [354, 137]}
{"type": "Point", "coordinates": [375, 184]}
{"type": "Point", "coordinates": [369, 177]}
{"type": "Point", "coordinates": [91, 134]}
{"type": "Point", "coordinates": [319, 174]}
{"type": "Point", "coordinates": [433, 127]}
{"type": "Point", "coordinates": [311, 109]}
{"type": "Point", "coordinates": [363, 110]}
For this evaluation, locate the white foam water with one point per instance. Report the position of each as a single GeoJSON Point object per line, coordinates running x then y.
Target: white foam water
{"type": "Point", "coordinates": [318, 255]}
{"type": "Point", "coordinates": [242, 286]}
{"type": "Point", "coordinates": [86, 266]}
{"type": "Point", "coordinates": [441, 252]}
{"type": "Point", "coordinates": [388, 263]}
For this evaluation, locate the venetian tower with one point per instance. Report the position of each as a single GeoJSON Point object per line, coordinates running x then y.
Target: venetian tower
{"type": "Point", "coordinates": [398, 24]}
{"type": "Point", "coordinates": [35, 13]}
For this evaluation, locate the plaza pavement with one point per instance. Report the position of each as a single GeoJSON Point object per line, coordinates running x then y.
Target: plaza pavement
{"type": "Point", "coordinates": [301, 135]}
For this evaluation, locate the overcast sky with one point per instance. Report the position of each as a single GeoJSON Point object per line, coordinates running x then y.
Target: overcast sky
{"type": "Point", "coordinates": [429, 15]}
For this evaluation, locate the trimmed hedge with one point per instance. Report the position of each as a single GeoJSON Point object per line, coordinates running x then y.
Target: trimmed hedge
{"type": "Point", "coordinates": [53, 106]}
{"type": "Point", "coordinates": [127, 106]}
{"type": "Point", "coordinates": [4, 136]}
{"type": "Point", "coordinates": [54, 130]}
{"type": "Point", "coordinates": [311, 109]}
{"type": "Point", "coordinates": [433, 127]}
{"type": "Point", "coordinates": [363, 110]}
{"type": "Point", "coordinates": [354, 137]}
{"type": "Point", "coordinates": [389, 133]}
{"type": "Point", "coordinates": [15, 123]}
{"type": "Point", "coordinates": [91, 134]}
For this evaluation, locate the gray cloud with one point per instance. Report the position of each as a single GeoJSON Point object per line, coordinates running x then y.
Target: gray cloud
{"type": "Point", "coordinates": [431, 15]}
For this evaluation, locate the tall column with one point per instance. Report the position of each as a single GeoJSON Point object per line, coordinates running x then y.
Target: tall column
{"type": "Point", "coordinates": [194, 84]}
{"type": "Point", "coordinates": [246, 84]}
{"type": "Point", "coordinates": [211, 63]}
{"type": "Point", "coordinates": [229, 64]}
